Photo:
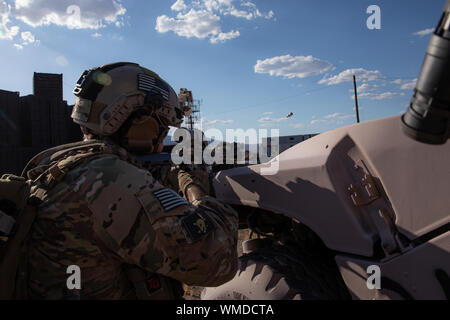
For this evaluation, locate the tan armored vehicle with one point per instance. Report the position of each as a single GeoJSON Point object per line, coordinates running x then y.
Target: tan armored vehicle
{"type": "Point", "coordinates": [359, 212]}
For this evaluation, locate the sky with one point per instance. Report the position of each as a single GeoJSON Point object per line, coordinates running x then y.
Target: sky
{"type": "Point", "coordinates": [251, 63]}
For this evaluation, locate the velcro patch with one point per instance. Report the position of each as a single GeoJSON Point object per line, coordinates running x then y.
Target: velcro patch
{"type": "Point", "coordinates": [197, 225]}
{"type": "Point", "coordinates": [169, 199]}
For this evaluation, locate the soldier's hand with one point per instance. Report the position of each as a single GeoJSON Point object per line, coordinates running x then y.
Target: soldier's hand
{"type": "Point", "coordinates": [196, 178]}
{"type": "Point", "coordinates": [172, 179]}
{"type": "Point", "coordinates": [167, 175]}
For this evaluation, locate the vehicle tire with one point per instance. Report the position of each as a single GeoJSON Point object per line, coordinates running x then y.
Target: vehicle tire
{"type": "Point", "coordinates": [281, 273]}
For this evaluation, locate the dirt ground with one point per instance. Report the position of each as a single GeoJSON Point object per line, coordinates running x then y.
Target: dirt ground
{"type": "Point", "coordinates": [193, 292]}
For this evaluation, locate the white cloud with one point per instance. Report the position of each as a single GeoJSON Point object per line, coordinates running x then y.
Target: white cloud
{"type": "Point", "coordinates": [222, 37]}
{"type": "Point", "coordinates": [292, 67]}
{"type": "Point", "coordinates": [373, 91]}
{"type": "Point", "coordinates": [22, 3]}
{"type": "Point", "coordinates": [96, 35]}
{"type": "Point", "coordinates": [74, 14]}
{"type": "Point", "coordinates": [379, 96]}
{"type": "Point", "coordinates": [250, 12]}
{"type": "Point", "coordinates": [409, 85]}
{"type": "Point", "coordinates": [205, 124]}
{"type": "Point", "coordinates": [318, 121]}
{"type": "Point", "coordinates": [406, 84]}
{"type": "Point", "coordinates": [365, 87]}
{"type": "Point", "coordinates": [347, 75]}
{"type": "Point", "coordinates": [198, 24]}
{"type": "Point", "coordinates": [338, 116]}
{"type": "Point", "coordinates": [333, 118]}
{"type": "Point", "coordinates": [425, 32]}
{"type": "Point", "coordinates": [202, 19]}
{"type": "Point", "coordinates": [268, 119]}
{"type": "Point", "coordinates": [179, 5]}
{"type": "Point", "coordinates": [28, 37]}
{"type": "Point", "coordinates": [218, 122]}
{"type": "Point", "coordinates": [6, 32]}
{"type": "Point", "coordinates": [240, 14]}
{"type": "Point", "coordinates": [267, 113]}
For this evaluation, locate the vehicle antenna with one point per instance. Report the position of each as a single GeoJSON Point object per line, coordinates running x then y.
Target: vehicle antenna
{"type": "Point", "coordinates": [356, 99]}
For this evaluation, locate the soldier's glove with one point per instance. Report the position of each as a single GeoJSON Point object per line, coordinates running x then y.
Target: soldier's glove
{"type": "Point", "coordinates": [198, 176]}
{"type": "Point", "coordinates": [167, 175]}
{"type": "Point", "coordinates": [171, 180]}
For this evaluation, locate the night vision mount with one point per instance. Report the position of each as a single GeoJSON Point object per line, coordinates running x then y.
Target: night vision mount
{"type": "Point", "coordinates": [427, 119]}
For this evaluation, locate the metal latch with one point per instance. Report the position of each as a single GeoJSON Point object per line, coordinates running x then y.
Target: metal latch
{"type": "Point", "coordinates": [370, 193]}
{"type": "Point", "coordinates": [369, 186]}
{"type": "Point", "coordinates": [363, 195]}
{"type": "Point", "coordinates": [355, 196]}
{"type": "Point", "coordinates": [369, 189]}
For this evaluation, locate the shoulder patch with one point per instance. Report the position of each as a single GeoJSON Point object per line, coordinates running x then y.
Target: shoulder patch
{"type": "Point", "coordinates": [169, 199]}
{"type": "Point", "coordinates": [197, 224]}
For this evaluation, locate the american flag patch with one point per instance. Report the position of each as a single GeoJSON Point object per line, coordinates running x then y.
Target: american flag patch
{"type": "Point", "coordinates": [169, 199]}
{"type": "Point", "coordinates": [148, 83]}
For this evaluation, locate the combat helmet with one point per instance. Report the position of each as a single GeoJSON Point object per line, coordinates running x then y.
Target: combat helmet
{"type": "Point", "coordinates": [128, 102]}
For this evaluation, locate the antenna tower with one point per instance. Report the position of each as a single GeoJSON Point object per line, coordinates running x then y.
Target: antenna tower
{"type": "Point", "coordinates": [194, 117]}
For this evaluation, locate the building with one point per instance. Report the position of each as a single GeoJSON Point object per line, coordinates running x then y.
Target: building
{"type": "Point", "coordinates": [33, 123]}
{"type": "Point", "coordinates": [48, 85]}
{"type": "Point", "coordinates": [285, 143]}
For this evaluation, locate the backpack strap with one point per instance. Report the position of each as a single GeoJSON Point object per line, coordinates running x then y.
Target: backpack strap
{"type": "Point", "coordinates": [46, 154]}
{"type": "Point", "coordinates": [55, 163]}
{"type": "Point", "coordinates": [13, 267]}
{"type": "Point", "coordinates": [14, 245]}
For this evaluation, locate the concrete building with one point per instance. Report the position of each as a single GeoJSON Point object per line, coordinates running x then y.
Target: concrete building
{"type": "Point", "coordinates": [285, 143]}
{"type": "Point", "coordinates": [48, 85]}
{"type": "Point", "coordinates": [33, 123]}
{"type": "Point", "coordinates": [10, 115]}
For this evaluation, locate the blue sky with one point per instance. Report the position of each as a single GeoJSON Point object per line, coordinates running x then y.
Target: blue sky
{"type": "Point", "coordinates": [251, 62]}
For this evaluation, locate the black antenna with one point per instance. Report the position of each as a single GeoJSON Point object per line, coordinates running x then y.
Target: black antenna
{"type": "Point", "coordinates": [356, 99]}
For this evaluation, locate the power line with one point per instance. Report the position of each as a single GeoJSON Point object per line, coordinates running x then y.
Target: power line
{"type": "Point", "coordinates": [275, 100]}
{"type": "Point", "coordinates": [299, 94]}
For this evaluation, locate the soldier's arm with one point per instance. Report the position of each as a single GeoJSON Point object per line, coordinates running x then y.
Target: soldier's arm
{"type": "Point", "coordinates": [143, 223]}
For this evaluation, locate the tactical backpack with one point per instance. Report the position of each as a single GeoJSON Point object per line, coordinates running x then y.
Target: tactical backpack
{"type": "Point", "coordinates": [17, 213]}
{"type": "Point", "coordinates": [19, 201]}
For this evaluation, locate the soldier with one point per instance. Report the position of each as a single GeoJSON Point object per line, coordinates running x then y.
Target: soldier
{"type": "Point", "coordinates": [131, 236]}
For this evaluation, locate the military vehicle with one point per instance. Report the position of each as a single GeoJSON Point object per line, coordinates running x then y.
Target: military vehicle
{"type": "Point", "coordinates": [359, 212]}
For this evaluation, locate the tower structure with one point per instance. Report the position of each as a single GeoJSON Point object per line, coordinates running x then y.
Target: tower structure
{"type": "Point", "coordinates": [194, 117]}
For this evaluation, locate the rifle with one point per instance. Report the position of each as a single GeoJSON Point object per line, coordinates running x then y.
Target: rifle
{"type": "Point", "coordinates": [156, 160]}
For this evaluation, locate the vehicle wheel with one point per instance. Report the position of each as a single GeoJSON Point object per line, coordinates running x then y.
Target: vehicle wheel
{"type": "Point", "coordinates": [281, 273]}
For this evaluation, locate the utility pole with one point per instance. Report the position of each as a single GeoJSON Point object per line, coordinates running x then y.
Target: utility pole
{"type": "Point", "coordinates": [356, 99]}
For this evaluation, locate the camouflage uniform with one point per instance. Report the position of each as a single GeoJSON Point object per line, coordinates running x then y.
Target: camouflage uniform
{"type": "Point", "coordinates": [106, 214]}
